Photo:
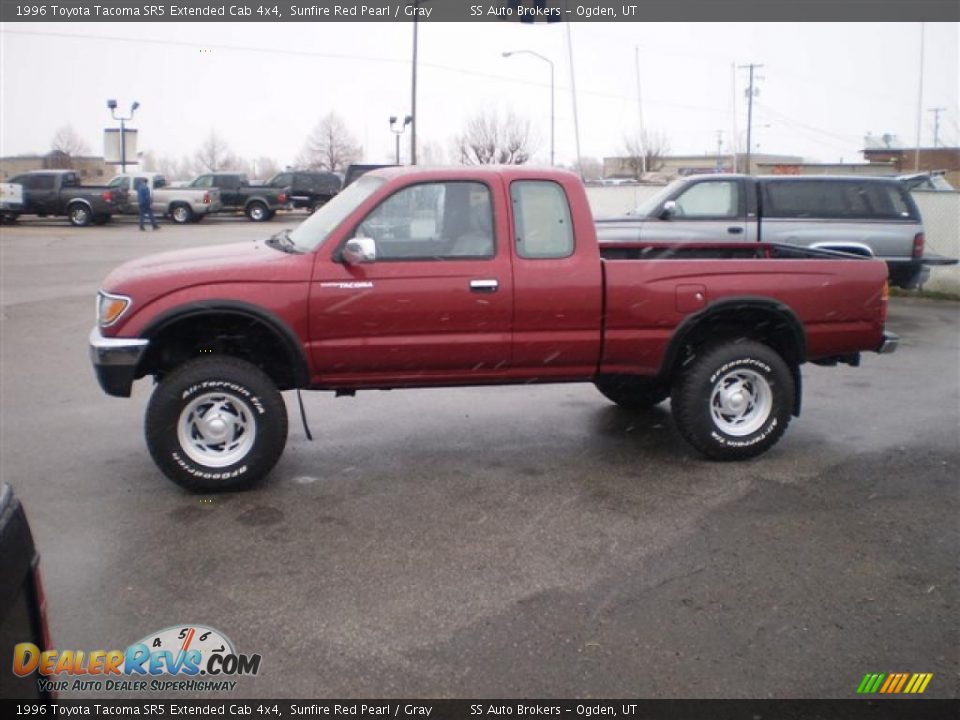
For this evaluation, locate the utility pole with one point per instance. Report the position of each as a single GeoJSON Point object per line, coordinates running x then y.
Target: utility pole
{"type": "Point", "coordinates": [719, 150]}
{"type": "Point", "coordinates": [936, 124]}
{"type": "Point", "coordinates": [916, 153]}
{"type": "Point", "coordinates": [643, 138]}
{"type": "Point", "coordinates": [573, 88]}
{"type": "Point", "coordinates": [751, 92]}
{"type": "Point", "coordinates": [413, 89]}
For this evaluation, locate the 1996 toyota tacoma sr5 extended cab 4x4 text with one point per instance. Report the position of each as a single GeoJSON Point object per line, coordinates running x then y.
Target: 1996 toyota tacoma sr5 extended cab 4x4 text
{"type": "Point", "coordinates": [424, 278]}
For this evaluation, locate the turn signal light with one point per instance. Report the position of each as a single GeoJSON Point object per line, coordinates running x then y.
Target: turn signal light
{"type": "Point", "coordinates": [110, 308]}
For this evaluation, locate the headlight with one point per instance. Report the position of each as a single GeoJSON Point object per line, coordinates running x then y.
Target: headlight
{"type": "Point", "coordinates": [110, 308]}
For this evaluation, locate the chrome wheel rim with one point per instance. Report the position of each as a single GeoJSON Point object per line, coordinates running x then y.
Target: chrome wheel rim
{"type": "Point", "coordinates": [257, 212]}
{"type": "Point", "coordinates": [216, 429]}
{"type": "Point", "coordinates": [80, 215]}
{"type": "Point", "coordinates": [180, 214]}
{"type": "Point", "coordinates": [741, 402]}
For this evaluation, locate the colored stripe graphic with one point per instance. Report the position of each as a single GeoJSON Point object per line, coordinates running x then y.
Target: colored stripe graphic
{"type": "Point", "coordinates": [894, 683]}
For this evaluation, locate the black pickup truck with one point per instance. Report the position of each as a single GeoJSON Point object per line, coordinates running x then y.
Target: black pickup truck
{"type": "Point", "coordinates": [308, 189]}
{"type": "Point", "coordinates": [59, 192]}
{"type": "Point", "coordinates": [23, 611]}
{"type": "Point", "coordinates": [258, 202]}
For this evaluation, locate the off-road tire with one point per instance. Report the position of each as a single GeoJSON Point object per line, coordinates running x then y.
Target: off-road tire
{"type": "Point", "coordinates": [206, 394]}
{"type": "Point", "coordinates": [734, 400]}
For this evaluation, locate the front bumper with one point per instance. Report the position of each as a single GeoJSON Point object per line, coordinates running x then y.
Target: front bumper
{"type": "Point", "coordinates": [889, 344]}
{"type": "Point", "coordinates": [115, 361]}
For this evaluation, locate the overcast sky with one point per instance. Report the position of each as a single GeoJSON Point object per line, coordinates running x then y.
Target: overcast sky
{"type": "Point", "coordinates": [263, 87]}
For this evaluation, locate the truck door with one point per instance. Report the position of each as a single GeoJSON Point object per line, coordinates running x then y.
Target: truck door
{"type": "Point", "coordinates": [436, 303]}
{"type": "Point", "coordinates": [707, 210]}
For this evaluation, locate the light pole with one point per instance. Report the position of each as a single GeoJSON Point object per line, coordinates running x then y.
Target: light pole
{"type": "Point", "coordinates": [112, 105]}
{"type": "Point", "coordinates": [549, 62]}
{"type": "Point", "coordinates": [397, 127]}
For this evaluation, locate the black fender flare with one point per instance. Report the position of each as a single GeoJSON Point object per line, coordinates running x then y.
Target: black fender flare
{"type": "Point", "coordinates": [277, 327]}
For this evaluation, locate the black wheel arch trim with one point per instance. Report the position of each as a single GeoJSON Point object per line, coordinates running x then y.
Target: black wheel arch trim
{"type": "Point", "coordinates": [289, 340]}
{"type": "Point", "coordinates": [745, 302]}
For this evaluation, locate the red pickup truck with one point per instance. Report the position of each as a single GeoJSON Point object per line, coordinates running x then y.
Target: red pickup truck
{"type": "Point", "coordinates": [444, 277]}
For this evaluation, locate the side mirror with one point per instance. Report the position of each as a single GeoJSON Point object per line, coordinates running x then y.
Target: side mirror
{"type": "Point", "coordinates": [669, 210]}
{"type": "Point", "coordinates": [360, 250]}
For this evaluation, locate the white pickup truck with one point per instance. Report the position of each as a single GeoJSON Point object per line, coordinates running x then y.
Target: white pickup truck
{"type": "Point", "coordinates": [11, 201]}
{"type": "Point", "coordinates": [180, 204]}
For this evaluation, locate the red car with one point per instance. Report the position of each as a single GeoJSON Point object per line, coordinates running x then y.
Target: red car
{"type": "Point", "coordinates": [422, 278]}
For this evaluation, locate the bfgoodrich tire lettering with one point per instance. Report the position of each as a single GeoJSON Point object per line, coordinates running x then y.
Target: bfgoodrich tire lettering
{"type": "Point", "coordinates": [734, 401]}
{"type": "Point", "coordinates": [216, 424]}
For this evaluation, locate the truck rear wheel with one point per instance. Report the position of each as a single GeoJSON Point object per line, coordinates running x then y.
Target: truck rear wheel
{"type": "Point", "coordinates": [216, 424]}
{"type": "Point", "coordinates": [734, 400]}
{"type": "Point", "coordinates": [633, 393]}
{"type": "Point", "coordinates": [257, 212]}
{"type": "Point", "coordinates": [79, 214]}
{"type": "Point", "coordinates": [181, 214]}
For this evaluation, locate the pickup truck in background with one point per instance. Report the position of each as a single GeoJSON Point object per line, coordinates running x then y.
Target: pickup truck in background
{"type": "Point", "coordinates": [182, 205]}
{"type": "Point", "coordinates": [477, 276]}
{"type": "Point", "coordinates": [873, 216]}
{"type": "Point", "coordinates": [23, 605]}
{"type": "Point", "coordinates": [258, 202]}
{"type": "Point", "coordinates": [59, 192]}
{"type": "Point", "coordinates": [11, 201]}
{"type": "Point", "coordinates": [308, 189]}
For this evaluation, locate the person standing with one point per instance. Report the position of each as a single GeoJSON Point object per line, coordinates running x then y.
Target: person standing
{"type": "Point", "coordinates": [144, 200]}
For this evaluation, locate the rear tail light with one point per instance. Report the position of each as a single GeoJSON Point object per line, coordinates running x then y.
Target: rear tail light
{"type": "Point", "coordinates": [282, 197]}
{"type": "Point", "coordinates": [918, 241]}
{"type": "Point", "coordinates": [108, 196]}
{"type": "Point", "coordinates": [206, 198]}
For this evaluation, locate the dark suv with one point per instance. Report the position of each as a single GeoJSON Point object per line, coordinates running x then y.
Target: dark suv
{"type": "Point", "coordinates": [308, 188]}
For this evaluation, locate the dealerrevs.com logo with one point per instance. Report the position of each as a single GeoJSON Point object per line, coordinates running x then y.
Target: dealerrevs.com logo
{"type": "Point", "coordinates": [180, 658]}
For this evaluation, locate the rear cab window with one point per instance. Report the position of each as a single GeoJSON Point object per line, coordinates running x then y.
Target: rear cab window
{"type": "Point", "coordinates": [541, 220]}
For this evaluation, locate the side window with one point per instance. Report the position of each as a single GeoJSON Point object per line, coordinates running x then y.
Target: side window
{"type": "Point", "coordinates": [710, 199]}
{"type": "Point", "coordinates": [283, 180]}
{"type": "Point", "coordinates": [433, 221]}
{"type": "Point", "coordinates": [42, 182]}
{"type": "Point", "coordinates": [204, 181]}
{"type": "Point", "coordinates": [835, 199]}
{"type": "Point", "coordinates": [159, 181]}
{"type": "Point", "coordinates": [70, 180]}
{"type": "Point", "coordinates": [118, 182]}
{"type": "Point", "coordinates": [541, 219]}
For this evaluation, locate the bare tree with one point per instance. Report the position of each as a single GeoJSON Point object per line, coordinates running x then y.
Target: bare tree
{"type": "Point", "coordinates": [67, 141]}
{"type": "Point", "coordinates": [430, 152]}
{"type": "Point", "coordinates": [650, 146]}
{"type": "Point", "coordinates": [214, 154]}
{"type": "Point", "coordinates": [489, 139]}
{"type": "Point", "coordinates": [331, 146]}
{"type": "Point", "coordinates": [265, 167]}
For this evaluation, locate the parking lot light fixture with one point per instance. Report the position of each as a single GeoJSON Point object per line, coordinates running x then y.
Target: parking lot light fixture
{"type": "Point", "coordinates": [552, 86]}
{"type": "Point", "coordinates": [397, 126]}
{"type": "Point", "coordinates": [112, 106]}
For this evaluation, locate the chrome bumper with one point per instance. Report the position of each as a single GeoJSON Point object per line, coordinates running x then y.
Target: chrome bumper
{"type": "Point", "coordinates": [889, 344]}
{"type": "Point", "coordinates": [115, 361]}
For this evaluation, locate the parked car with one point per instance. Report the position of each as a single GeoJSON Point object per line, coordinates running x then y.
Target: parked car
{"type": "Point", "coordinates": [865, 215]}
{"type": "Point", "coordinates": [23, 605]}
{"type": "Point", "coordinates": [258, 202]}
{"type": "Point", "coordinates": [59, 192]}
{"type": "Point", "coordinates": [308, 189]}
{"type": "Point", "coordinates": [356, 170]}
{"type": "Point", "coordinates": [181, 205]}
{"type": "Point", "coordinates": [11, 201]}
{"type": "Point", "coordinates": [476, 276]}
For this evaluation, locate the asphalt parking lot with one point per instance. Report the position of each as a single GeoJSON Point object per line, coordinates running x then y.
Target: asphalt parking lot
{"type": "Point", "coordinates": [501, 542]}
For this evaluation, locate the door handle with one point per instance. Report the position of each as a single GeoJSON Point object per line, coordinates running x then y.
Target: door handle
{"type": "Point", "coordinates": [735, 230]}
{"type": "Point", "coordinates": [484, 286]}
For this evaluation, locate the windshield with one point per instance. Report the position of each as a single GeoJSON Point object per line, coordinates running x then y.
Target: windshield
{"type": "Point", "coordinates": [650, 204]}
{"type": "Point", "coordinates": [315, 229]}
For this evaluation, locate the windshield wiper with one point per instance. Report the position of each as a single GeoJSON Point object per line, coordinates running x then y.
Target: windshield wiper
{"type": "Point", "coordinates": [282, 242]}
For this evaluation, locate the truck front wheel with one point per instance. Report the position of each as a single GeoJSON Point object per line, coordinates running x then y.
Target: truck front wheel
{"type": "Point", "coordinates": [216, 424]}
{"type": "Point", "coordinates": [633, 393]}
{"type": "Point", "coordinates": [734, 400]}
{"type": "Point", "coordinates": [79, 214]}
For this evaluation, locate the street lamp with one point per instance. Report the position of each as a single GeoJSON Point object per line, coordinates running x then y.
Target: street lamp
{"type": "Point", "coordinates": [550, 62]}
{"type": "Point", "coordinates": [397, 127]}
{"type": "Point", "coordinates": [112, 106]}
